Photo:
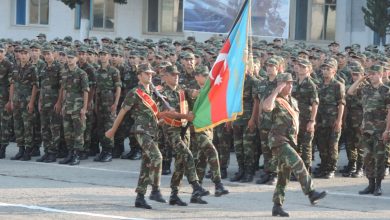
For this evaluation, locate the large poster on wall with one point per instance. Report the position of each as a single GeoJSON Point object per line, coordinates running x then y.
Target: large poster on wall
{"type": "Point", "coordinates": [270, 18]}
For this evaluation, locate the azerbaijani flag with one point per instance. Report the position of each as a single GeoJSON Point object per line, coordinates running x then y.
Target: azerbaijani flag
{"type": "Point", "coordinates": [220, 100]}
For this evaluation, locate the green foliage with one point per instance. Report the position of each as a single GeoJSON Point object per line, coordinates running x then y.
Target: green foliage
{"type": "Point", "coordinates": [72, 3]}
{"type": "Point", "coordinates": [376, 16]}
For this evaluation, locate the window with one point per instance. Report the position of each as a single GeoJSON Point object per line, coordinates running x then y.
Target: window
{"type": "Point", "coordinates": [165, 16]}
{"type": "Point", "coordinates": [103, 12]}
{"type": "Point", "coordinates": [323, 20]}
{"type": "Point", "coordinates": [34, 12]}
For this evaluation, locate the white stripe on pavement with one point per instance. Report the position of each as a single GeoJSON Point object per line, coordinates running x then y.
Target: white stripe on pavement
{"type": "Point", "coordinates": [369, 196]}
{"type": "Point", "coordinates": [66, 212]}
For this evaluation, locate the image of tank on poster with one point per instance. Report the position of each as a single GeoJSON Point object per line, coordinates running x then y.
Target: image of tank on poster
{"type": "Point", "coordinates": [270, 18]}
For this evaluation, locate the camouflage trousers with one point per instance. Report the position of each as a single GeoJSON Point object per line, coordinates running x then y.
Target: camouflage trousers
{"type": "Point", "coordinates": [222, 141]}
{"type": "Point", "coordinates": [51, 129]}
{"type": "Point", "coordinates": [89, 122]}
{"type": "Point", "coordinates": [37, 135]}
{"type": "Point", "coordinates": [5, 117]}
{"type": "Point", "coordinates": [74, 128]}
{"type": "Point", "coordinates": [328, 145]}
{"type": "Point", "coordinates": [184, 160]}
{"type": "Point", "coordinates": [151, 164]}
{"type": "Point", "coordinates": [288, 160]}
{"type": "Point", "coordinates": [123, 132]}
{"type": "Point", "coordinates": [354, 147]}
{"type": "Point", "coordinates": [165, 145]}
{"type": "Point", "coordinates": [374, 155]}
{"type": "Point", "coordinates": [244, 145]}
{"type": "Point", "coordinates": [266, 151]}
{"type": "Point", "coordinates": [23, 124]}
{"type": "Point", "coordinates": [105, 118]}
{"type": "Point", "coordinates": [207, 154]}
{"type": "Point", "coordinates": [305, 148]}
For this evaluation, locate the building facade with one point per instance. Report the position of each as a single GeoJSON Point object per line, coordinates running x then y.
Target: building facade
{"type": "Point", "coordinates": [314, 21]}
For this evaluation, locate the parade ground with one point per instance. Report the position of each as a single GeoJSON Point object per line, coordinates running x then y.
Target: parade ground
{"type": "Point", "coordinates": [94, 190]}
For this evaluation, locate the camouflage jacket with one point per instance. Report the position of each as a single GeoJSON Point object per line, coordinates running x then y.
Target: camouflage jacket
{"type": "Point", "coordinates": [91, 72]}
{"type": "Point", "coordinates": [354, 109]}
{"type": "Point", "coordinates": [306, 94]}
{"type": "Point", "coordinates": [107, 79]}
{"type": "Point", "coordinates": [24, 78]}
{"type": "Point", "coordinates": [74, 83]}
{"type": "Point", "coordinates": [264, 90]}
{"type": "Point", "coordinates": [187, 80]}
{"type": "Point", "coordinates": [283, 129]}
{"type": "Point", "coordinates": [331, 95]}
{"type": "Point", "coordinates": [144, 120]}
{"type": "Point", "coordinates": [128, 78]}
{"type": "Point", "coordinates": [250, 93]}
{"type": "Point", "coordinates": [6, 68]}
{"type": "Point", "coordinates": [50, 79]}
{"type": "Point", "coordinates": [375, 102]}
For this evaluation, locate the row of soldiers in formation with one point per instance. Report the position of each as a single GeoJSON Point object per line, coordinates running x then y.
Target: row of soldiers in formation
{"type": "Point", "coordinates": [77, 89]}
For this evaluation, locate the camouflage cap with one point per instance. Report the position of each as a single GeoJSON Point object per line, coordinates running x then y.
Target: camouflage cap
{"type": "Point", "coordinates": [2, 47]}
{"type": "Point", "coordinates": [71, 53]}
{"type": "Point", "coordinates": [104, 50]}
{"type": "Point", "coordinates": [24, 48]}
{"type": "Point", "coordinates": [172, 69]}
{"type": "Point", "coordinates": [35, 46]}
{"type": "Point", "coordinates": [376, 68]}
{"type": "Point", "coordinates": [165, 64]}
{"type": "Point", "coordinates": [176, 42]}
{"type": "Point", "coordinates": [188, 56]}
{"type": "Point", "coordinates": [83, 49]}
{"type": "Point", "coordinates": [41, 35]}
{"type": "Point", "coordinates": [68, 39]}
{"type": "Point", "coordinates": [106, 39]}
{"type": "Point", "coordinates": [334, 43]}
{"type": "Point", "coordinates": [188, 47]}
{"type": "Point", "coordinates": [272, 61]}
{"type": "Point", "coordinates": [47, 48]}
{"type": "Point", "coordinates": [284, 77]}
{"type": "Point", "coordinates": [145, 68]}
{"type": "Point", "coordinates": [304, 62]}
{"type": "Point", "coordinates": [356, 69]}
{"type": "Point", "coordinates": [133, 53]}
{"type": "Point", "coordinates": [202, 70]}
{"type": "Point", "coordinates": [116, 51]}
{"type": "Point", "coordinates": [304, 52]}
{"type": "Point", "coordinates": [331, 62]}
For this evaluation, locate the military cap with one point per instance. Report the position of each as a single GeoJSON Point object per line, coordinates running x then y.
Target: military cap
{"type": "Point", "coordinates": [41, 35]}
{"type": "Point", "coordinates": [191, 38]}
{"type": "Point", "coordinates": [145, 67]}
{"type": "Point", "coordinates": [47, 48]}
{"type": "Point", "coordinates": [334, 43]}
{"type": "Point", "coordinates": [83, 49]}
{"type": "Point", "coordinates": [355, 46]}
{"type": "Point", "coordinates": [104, 50]}
{"type": "Point", "coordinates": [24, 48]}
{"type": "Point", "coordinates": [172, 69]}
{"type": "Point", "coordinates": [2, 48]}
{"type": "Point", "coordinates": [341, 54]}
{"type": "Point", "coordinates": [284, 77]}
{"type": "Point", "coordinates": [359, 56]}
{"type": "Point", "coordinates": [277, 39]}
{"type": "Point", "coordinates": [116, 52]}
{"type": "Point", "coordinates": [68, 39]}
{"type": "Point", "coordinates": [133, 53]}
{"type": "Point", "coordinates": [35, 45]}
{"type": "Point", "coordinates": [91, 51]}
{"type": "Point", "coordinates": [71, 53]}
{"type": "Point", "coordinates": [375, 68]}
{"type": "Point", "coordinates": [304, 62]}
{"type": "Point", "coordinates": [176, 42]}
{"type": "Point", "coordinates": [356, 67]}
{"type": "Point", "coordinates": [188, 47]}
{"type": "Point", "coordinates": [164, 64]}
{"type": "Point", "coordinates": [272, 61]}
{"type": "Point", "coordinates": [315, 56]}
{"type": "Point", "coordinates": [331, 62]}
{"type": "Point", "coordinates": [304, 52]}
{"type": "Point", "coordinates": [148, 40]}
{"type": "Point", "coordinates": [188, 56]}
{"type": "Point", "coordinates": [202, 70]}
{"type": "Point", "coordinates": [106, 39]}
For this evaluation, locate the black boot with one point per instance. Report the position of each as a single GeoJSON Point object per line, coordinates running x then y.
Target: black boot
{"type": "Point", "coordinates": [273, 177]}
{"type": "Point", "coordinates": [220, 190]}
{"type": "Point", "coordinates": [197, 193]}
{"type": "Point", "coordinates": [52, 157]}
{"type": "Point", "coordinates": [35, 152]}
{"type": "Point", "coordinates": [166, 168]}
{"type": "Point", "coordinates": [277, 210]}
{"type": "Point", "coordinates": [75, 158]}
{"type": "Point", "coordinates": [43, 158]}
{"type": "Point", "coordinates": [238, 176]}
{"type": "Point", "coordinates": [156, 195]}
{"type": "Point", "coordinates": [247, 178]}
{"type": "Point", "coordinates": [104, 156]}
{"type": "Point", "coordinates": [314, 196]}
{"type": "Point", "coordinates": [351, 168]}
{"type": "Point", "coordinates": [174, 199]}
{"type": "Point", "coordinates": [370, 188]}
{"type": "Point", "coordinates": [141, 203]}
{"type": "Point", "coordinates": [137, 155]}
{"type": "Point", "coordinates": [19, 154]}
{"type": "Point", "coordinates": [27, 154]}
{"type": "Point", "coordinates": [119, 147]}
{"type": "Point", "coordinates": [264, 178]}
{"type": "Point", "coordinates": [223, 173]}
{"type": "Point", "coordinates": [84, 155]}
{"type": "Point", "coordinates": [2, 151]}
{"type": "Point", "coordinates": [378, 187]}
{"type": "Point", "coordinates": [359, 171]}
{"type": "Point", "coordinates": [67, 159]}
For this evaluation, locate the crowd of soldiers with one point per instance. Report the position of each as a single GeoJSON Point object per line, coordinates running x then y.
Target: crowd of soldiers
{"type": "Point", "coordinates": [65, 95]}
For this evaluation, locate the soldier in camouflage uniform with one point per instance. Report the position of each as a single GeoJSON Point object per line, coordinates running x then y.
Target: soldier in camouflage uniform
{"type": "Point", "coordinates": [223, 138]}
{"type": "Point", "coordinates": [206, 151]}
{"type": "Point", "coordinates": [284, 115]}
{"type": "Point", "coordinates": [6, 68]}
{"type": "Point", "coordinates": [145, 112]}
{"type": "Point", "coordinates": [108, 90]}
{"type": "Point", "coordinates": [244, 131]}
{"type": "Point", "coordinates": [353, 119]}
{"type": "Point", "coordinates": [50, 105]}
{"type": "Point", "coordinates": [40, 64]}
{"type": "Point", "coordinates": [265, 88]}
{"type": "Point", "coordinates": [178, 137]}
{"type": "Point", "coordinates": [23, 91]}
{"type": "Point", "coordinates": [329, 119]}
{"type": "Point", "coordinates": [305, 91]}
{"type": "Point", "coordinates": [375, 126]}
{"type": "Point", "coordinates": [75, 87]}
{"type": "Point", "coordinates": [90, 70]}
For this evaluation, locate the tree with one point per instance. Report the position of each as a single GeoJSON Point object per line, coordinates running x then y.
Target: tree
{"type": "Point", "coordinates": [377, 17]}
{"type": "Point", "coordinates": [85, 13]}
